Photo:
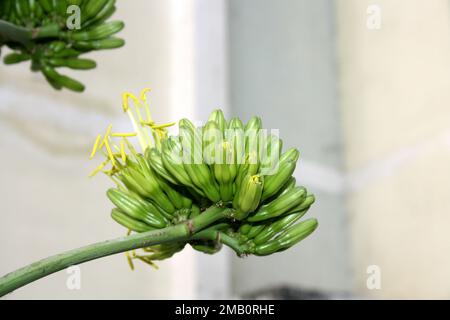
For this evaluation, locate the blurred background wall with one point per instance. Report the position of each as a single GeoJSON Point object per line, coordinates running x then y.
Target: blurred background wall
{"type": "Point", "coordinates": [283, 67]}
{"type": "Point", "coordinates": [394, 102]}
{"type": "Point", "coordinates": [360, 87]}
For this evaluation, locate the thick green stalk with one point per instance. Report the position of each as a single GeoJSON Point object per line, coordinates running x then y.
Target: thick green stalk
{"type": "Point", "coordinates": [216, 235]}
{"type": "Point", "coordinates": [15, 33]}
{"type": "Point", "coordinates": [45, 267]}
{"type": "Point", "coordinates": [22, 35]}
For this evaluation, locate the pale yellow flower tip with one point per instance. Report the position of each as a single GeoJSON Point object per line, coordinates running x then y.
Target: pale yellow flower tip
{"type": "Point", "coordinates": [130, 261]}
{"type": "Point", "coordinates": [124, 134]}
{"type": "Point", "coordinates": [95, 147]}
{"type": "Point", "coordinates": [99, 168]}
{"type": "Point", "coordinates": [143, 94]}
{"type": "Point", "coordinates": [110, 154]}
{"type": "Point", "coordinates": [125, 97]}
{"type": "Point", "coordinates": [165, 125]}
{"type": "Point", "coordinates": [106, 136]}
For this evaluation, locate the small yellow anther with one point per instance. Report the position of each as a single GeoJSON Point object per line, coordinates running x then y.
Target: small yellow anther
{"type": "Point", "coordinates": [143, 94]}
{"type": "Point", "coordinates": [129, 260]}
{"type": "Point", "coordinates": [106, 136]}
{"type": "Point", "coordinates": [122, 151]}
{"type": "Point", "coordinates": [99, 168]}
{"type": "Point", "coordinates": [165, 125]}
{"type": "Point", "coordinates": [94, 149]}
{"type": "Point", "coordinates": [125, 97]}
{"type": "Point", "coordinates": [124, 135]}
{"type": "Point", "coordinates": [110, 154]}
{"type": "Point", "coordinates": [148, 123]}
{"type": "Point", "coordinates": [256, 179]}
{"type": "Point", "coordinates": [109, 172]}
{"type": "Point", "coordinates": [148, 261]}
{"type": "Point", "coordinates": [144, 99]}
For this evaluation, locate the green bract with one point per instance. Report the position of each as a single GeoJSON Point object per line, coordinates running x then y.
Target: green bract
{"type": "Point", "coordinates": [55, 33]}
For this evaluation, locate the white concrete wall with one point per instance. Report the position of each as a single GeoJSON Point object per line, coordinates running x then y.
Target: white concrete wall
{"type": "Point", "coordinates": [394, 89]}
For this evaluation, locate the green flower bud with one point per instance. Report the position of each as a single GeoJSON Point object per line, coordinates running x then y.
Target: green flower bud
{"type": "Point", "coordinates": [288, 238]}
{"type": "Point", "coordinates": [247, 200]}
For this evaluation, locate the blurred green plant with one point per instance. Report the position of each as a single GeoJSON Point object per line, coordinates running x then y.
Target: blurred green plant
{"type": "Point", "coordinates": [56, 33]}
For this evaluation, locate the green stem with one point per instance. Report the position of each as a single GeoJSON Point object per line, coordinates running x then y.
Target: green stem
{"type": "Point", "coordinates": [212, 234]}
{"type": "Point", "coordinates": [45, 267]}
{"type": "Point", "coordinates": [15, 33]}
{"type": "Point", "coordinates": [24, 36]}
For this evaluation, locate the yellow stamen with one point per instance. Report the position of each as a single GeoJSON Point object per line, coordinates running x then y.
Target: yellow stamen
{"type": "Point", "coordinates": [127, 254]}
{"type": "Point", "coordinates": [137, 103]}
{"type": "Point", "coordinates": [124, 135]}
{"type": "Point", "coordinates": [110, 172]}
{"type": "Point", "coordinates": [106, 136]}
{"type": "Point", "coordinates": [139, 115]}
{"type": "Point", "coordinates": [147, 261]}
{"type": "Point", "coordinates": [146, 130]}
{"type": "Point", "coordinates": [165, 125]}
{"type": "Point", "coordinates": [110, 154]}
{"type": "Point", "coordinates": [129, 260]}
{"type": "Point", "coordinates": [137, 128]}
{"type": "Point", "coordinates": [144, 94]}
{"type": "Point", "coordinates": [122, 150]}
{"type": "Point", "coordinates": [144, 99]}
{"type": "Point", "coordinates": [94, 149]}
{"type": "Point", "coordinates": [125, 97]}
{"type": "Point", "coordinates": [256, 179]}
{"type": "Point", "coordinates": [99, 168]}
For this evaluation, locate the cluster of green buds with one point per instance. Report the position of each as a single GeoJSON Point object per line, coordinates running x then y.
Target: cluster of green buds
{"type": "Point", "coordinates": [225, 182]}
{"type": "Point", "coordinates": [55, 33]}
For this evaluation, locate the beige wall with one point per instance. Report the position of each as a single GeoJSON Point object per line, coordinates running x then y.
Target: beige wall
{"type": "Point", "coordinates": [394, 98]}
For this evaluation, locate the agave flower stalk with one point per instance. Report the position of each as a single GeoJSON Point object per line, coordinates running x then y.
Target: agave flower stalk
{"type": "Point", "coordinates": [180, 232]}
{"type": "Point", "coordinates": [166, 198]}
